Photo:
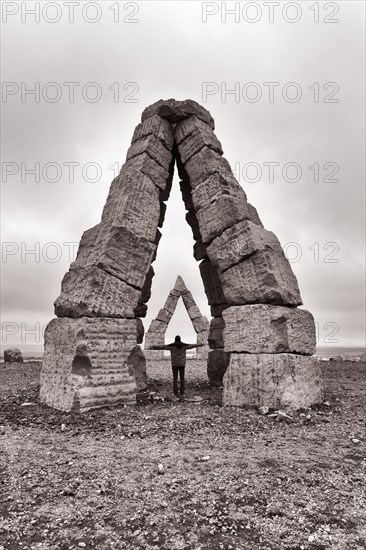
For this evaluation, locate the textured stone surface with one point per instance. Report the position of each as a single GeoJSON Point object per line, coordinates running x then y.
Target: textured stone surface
{"type": "Point", "coordinates": [175, 111]}
{"type": "Point", "coordinates": [214, 187]}
{"type": "Point", "coordinates": [199, 251]}
{"type": "Point", "coordinates": [216, 311]}
{"type": "Point", "coordinates": [239, 242]}
{"type": "Point", "coordinates": [161, 177]}
{"type": "Point", "coordinates": [220, 215]}
{"type": "Point", "coordinates": [262, 328]}
{"type": "Point", "coordinates": [133, 201]}
{"type": "Point", "coordinates": [202, 136]}
{"type": "Point", "coordinates": [136, 363]}
{"type": "Point", "coordinates": [154, 148]}
{"type": "Point", "coordinates": [193, 125]}
{"type": "Point", "coordinates": [13, 355]}
{"type": "Point", "coordinates": [154, 339]}
{"type": "Point", "coordinates": [157, 126]}
{"type": "Point", "coordinates": [116, 250]}
{"type": "Point", "coordinates": [85, 363]}
{"type": "Point", "coordinates": [205, 163]}
{"type": "Point", "coordinates": [216, 334]}
{"type": "Point", "coordinates": [93, 293]}
{"type": "Point", "coordinates": [266, 277]}
{"type": "Point", "coordinates": [211, 283]}
{"type": "Point", "coordinates": [164, 316]}
{"type": "Point", "coordinates": [275, 381]}
{"type": "Point", "coordinates": [218, 361]}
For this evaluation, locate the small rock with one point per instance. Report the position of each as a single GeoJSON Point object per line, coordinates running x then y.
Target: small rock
{"type": "Point", "coordinates": [311, 538]}
{"type": "Point", "coordinates": [2, 430]}
{"type": "Point", "coordinates": [205, 458]}
{"type": "Point", "coordinates": [13, 355]}
{"type": "Point", "coordinates": [63, 427]}
{"type": "Point", "coordinates": [82, 544]}
{"type": "Point", "coordinates": [355, 440]}
{"type": "Point", "coordinates": [263, 410]}
{"type": "Point", "coordinates": [160, 469]}
{"type": "Point", "coordinates": [283, 417]}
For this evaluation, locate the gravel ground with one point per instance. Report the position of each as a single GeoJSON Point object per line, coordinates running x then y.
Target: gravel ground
{"type": "Point", "coordinates": [183, 475]}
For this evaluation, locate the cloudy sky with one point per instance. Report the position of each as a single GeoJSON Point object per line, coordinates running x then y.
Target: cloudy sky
{"type": "Point", "coordinates": [285, 85]}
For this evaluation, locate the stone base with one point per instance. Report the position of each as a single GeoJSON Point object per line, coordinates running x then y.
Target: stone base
{"type": "Point", "coordinates": [273, 380]}
{"type": "Point", "coordinates": [89, 363]}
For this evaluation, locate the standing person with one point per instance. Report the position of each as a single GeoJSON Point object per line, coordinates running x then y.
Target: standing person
{"type": "Point", "coordinates": [178, 357]}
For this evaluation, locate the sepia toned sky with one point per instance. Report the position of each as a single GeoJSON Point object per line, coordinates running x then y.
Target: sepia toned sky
{"type": "Point", "coordinates": [285, 85]}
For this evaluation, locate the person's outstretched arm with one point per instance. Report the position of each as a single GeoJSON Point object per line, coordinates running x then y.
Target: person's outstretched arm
{"type": "Point", "coordinates": [191, 346]}
{"type": "Point", "coordinates": [160, 347]}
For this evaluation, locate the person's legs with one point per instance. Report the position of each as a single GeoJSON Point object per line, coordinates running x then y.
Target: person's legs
{"type": "Point", "coordinates": [175, 380]}
{"type": "Point", "coordinates": [182, 381]}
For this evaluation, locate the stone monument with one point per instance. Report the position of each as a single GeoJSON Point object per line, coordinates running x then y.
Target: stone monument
{"type": "Point", "coordinates": [155, 336]}
{"type": "Point", "coordinates": [92, 357]}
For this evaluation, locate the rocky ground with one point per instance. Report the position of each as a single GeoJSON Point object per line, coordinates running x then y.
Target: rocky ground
{"type": "Point", "coordinates": [183, 475]}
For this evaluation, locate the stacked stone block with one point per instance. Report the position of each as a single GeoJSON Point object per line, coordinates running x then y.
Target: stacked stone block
{"type": "Point", "coordinates": [92, 357]}
{"type": "Point", "coordinates": [243, 263]}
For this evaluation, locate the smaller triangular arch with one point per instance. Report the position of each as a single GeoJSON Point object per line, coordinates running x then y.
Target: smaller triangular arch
{"type": "Point", "coordinates": [155, 335]}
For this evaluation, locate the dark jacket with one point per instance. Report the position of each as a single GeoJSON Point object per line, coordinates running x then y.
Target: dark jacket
{"type": "Point", "coordinates": [178, 352]}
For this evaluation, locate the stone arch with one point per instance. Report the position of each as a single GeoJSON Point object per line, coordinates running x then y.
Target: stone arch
{"type": "Point", "coordinates": [243, 268]}
{"type": "Point", "coordinates": [155, 335]}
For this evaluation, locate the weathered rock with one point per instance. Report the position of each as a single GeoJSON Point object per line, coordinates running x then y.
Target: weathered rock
{"type": "Point", "coordinates": [194, 312]}
{"type": "Point", "coordinates": [205, 163]}
{"type": "Point", "coordinates": [154, 148]}
{"type": "Point", "coordinates": [136, 363]}
{"type": "Point", "coordinates": [272, 380]}
{"type": "Point", "coordinates": [268, 329]}
{"type": "Point", "coordinates": [161, 177]}
{"type": "Point", "coordinates": [193, 222]}
{"type": "Point", "coordinates": [216, 334]}
{"type": "Point", "coordinates": [171, 303]}
{"type": "Point", "coordinates": [146, 289]}
{"type": "Point", "coordinates": [211, 283]}
{"type": "Point", "coordinates": [154, 339]}
{"type": "Point", "coordinates": [202, 136]}
{"type": "Point", "coordinates": [157, 126]}
{"type": "Point", "coordinates": [164, 316]}
{"type": "Point", "coordinates": [214, 187]}
{"type": "Point", "coordinates": [175, 111]}
{"type": "Point", "coordinates": [116, 250]}
{"type": "Point", "coordinates": [85, 363]}
{"type": "Point", "coordinates": [202, 351]}
{"type": "Point", "coordinates": [199, 251]}
{"type": "Point", "coordinates": [92, 292]}
{"type": "Point", "coordinates": [162, 214]}
{"type": "Point", "coordinates": [193, 125]}
{"type": "Point", "coordinates": [239, 242]}
{"type": "Point", "coordinates": [133, 201]}
{"type": "Point", "coordinates": [158, 326]}
{"type": "Point", "coordinates": [216, 311]}
{"type": "Point", "coordinates": [200, 324]}
{"type": "Point", "coordinates": [266, 277]}
{"type": "Point", "coordinates": [188, 299]}
{"type": "Point", "coordinates": [220, 215]}
{"type": "Point", "coordinates": [186, 194]}
{"type": "Point", "coordinates": [13, 355]}
{"type": "Point", "coordinates": [218, 361]}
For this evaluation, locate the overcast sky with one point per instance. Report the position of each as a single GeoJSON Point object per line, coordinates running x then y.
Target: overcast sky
{"type": "Point", "coordinates": [309, 121]}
